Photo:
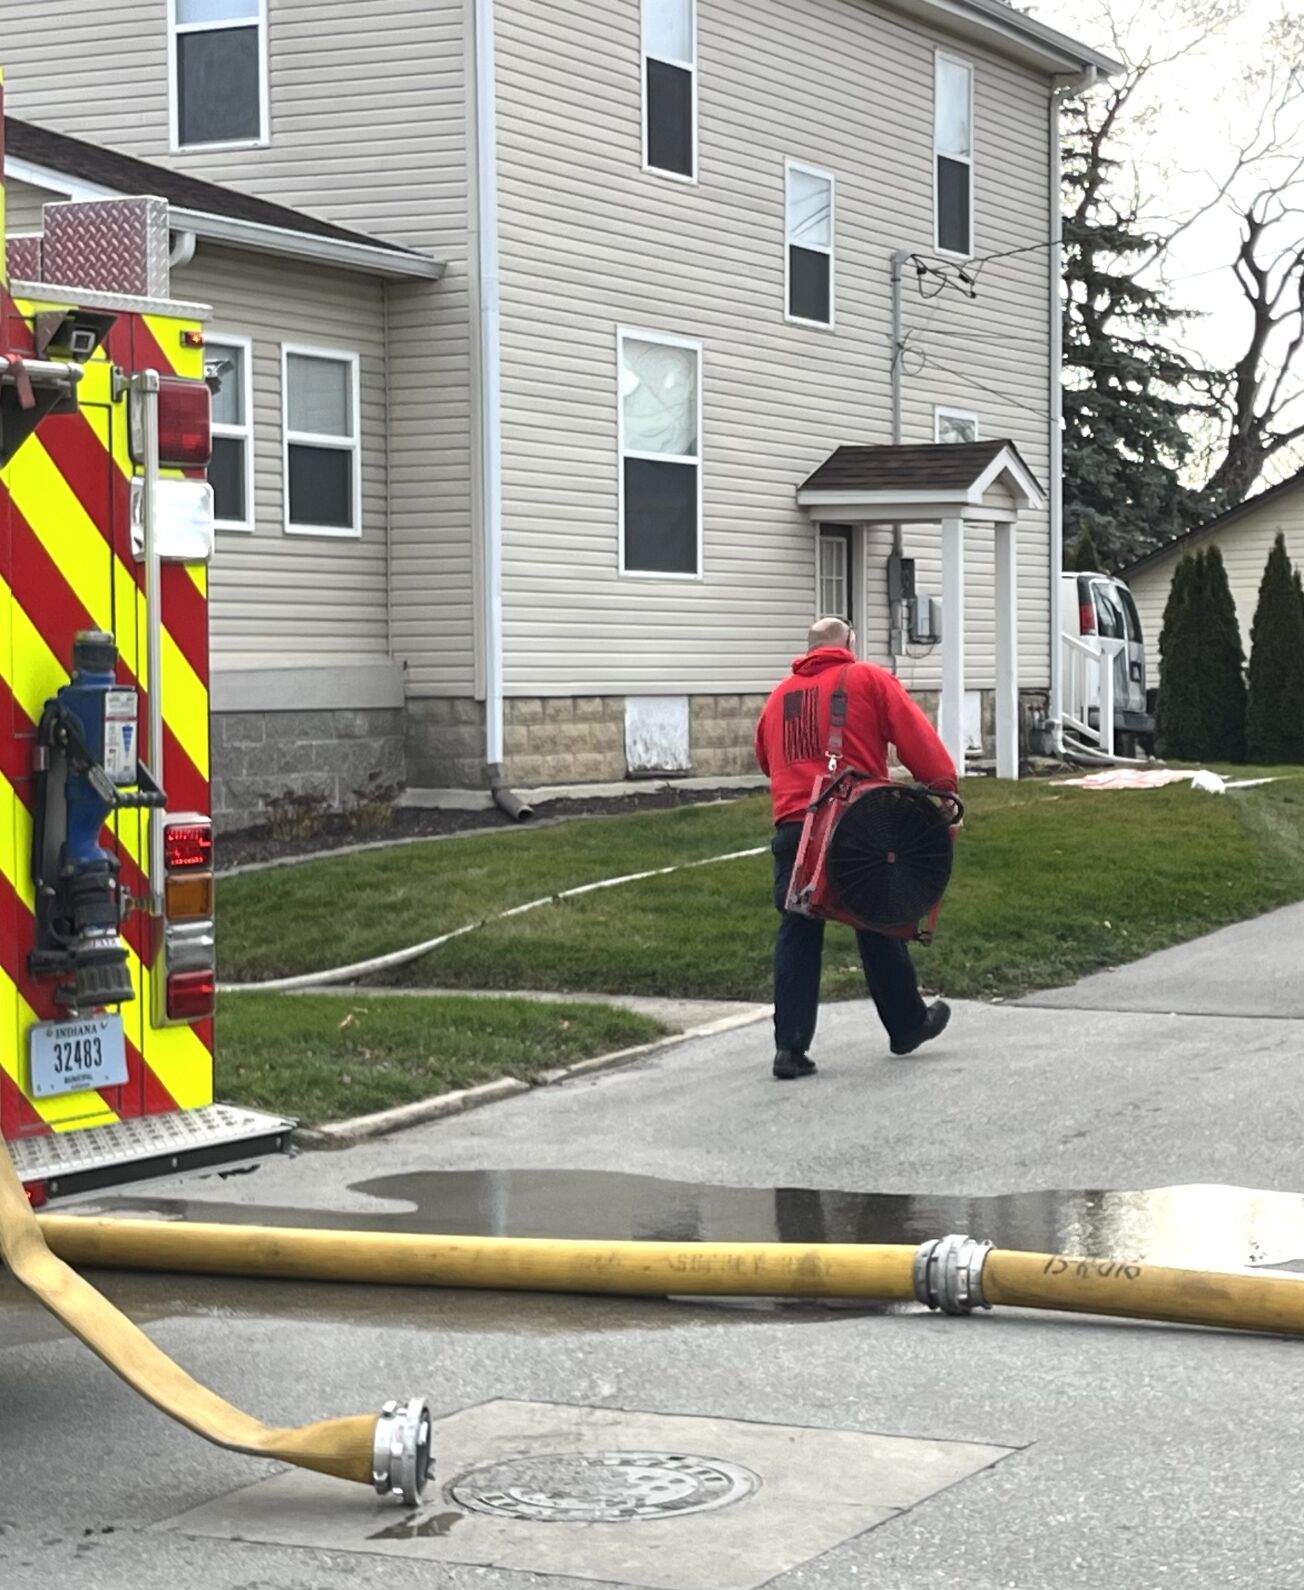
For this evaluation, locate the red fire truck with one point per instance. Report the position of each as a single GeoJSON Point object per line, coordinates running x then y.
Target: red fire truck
{"type": "Point", "coordinates": [107, 972]}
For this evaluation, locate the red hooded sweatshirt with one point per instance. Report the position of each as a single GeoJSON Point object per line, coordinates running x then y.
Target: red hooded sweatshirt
{"type": "Point", "coordinates": [793, 733]}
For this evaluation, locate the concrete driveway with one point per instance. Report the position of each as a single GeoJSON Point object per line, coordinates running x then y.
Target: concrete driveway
{"type": "Point", "coordinates": [816, 1446]}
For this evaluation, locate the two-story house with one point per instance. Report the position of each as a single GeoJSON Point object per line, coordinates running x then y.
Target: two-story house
{"type": "Point", "coordinates": [577, 352]}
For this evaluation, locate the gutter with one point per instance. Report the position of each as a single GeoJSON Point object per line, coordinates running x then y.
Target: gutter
{"type": "Point", "coordinates": [369, 258]}
{"type": "Point", "coordinates": [373, 259]}
{"type": "Point", "coordinates": [1063, 88]}
{"type": "Point", "coordinates": [1052, 50]}
{"type": "Point", "coordinates": [491, 410]}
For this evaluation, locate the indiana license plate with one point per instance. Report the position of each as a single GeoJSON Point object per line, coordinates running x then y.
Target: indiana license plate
{"type": "Point", "coordinates": [73, 1056]}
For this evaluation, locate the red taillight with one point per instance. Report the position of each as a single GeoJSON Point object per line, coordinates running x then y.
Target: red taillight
{"type": "Point", "coordinates": [1086, 618]}
{"type": "Point", "coordinates": [191, 995]}
{"type": "Point", "coordinates": [185, 422]}
{"type": "Point", "coordinates": [188, 846]}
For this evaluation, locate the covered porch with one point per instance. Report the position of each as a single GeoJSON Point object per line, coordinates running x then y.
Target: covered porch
{"type": "Point", "coordinates": [954, 486]}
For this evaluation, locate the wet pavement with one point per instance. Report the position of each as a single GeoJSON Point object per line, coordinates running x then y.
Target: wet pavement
{"type": "Point", "coordinates": [1100, 1453]}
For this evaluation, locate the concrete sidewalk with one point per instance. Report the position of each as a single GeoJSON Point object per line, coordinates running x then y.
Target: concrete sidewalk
{"type": "Point", "coordinates": [1255, 969]}
{"type": "Point", "coordinates": [1022, 1452]}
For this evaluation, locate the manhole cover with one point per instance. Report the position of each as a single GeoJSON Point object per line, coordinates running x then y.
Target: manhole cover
{"type": "Point", "coordinates": [603, 1487]}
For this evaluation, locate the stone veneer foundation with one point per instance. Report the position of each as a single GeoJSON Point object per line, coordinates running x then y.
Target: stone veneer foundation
{"type": "Point", "coordinates": [438, 743]}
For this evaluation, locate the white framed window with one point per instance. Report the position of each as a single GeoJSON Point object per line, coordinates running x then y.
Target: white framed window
{"type": "Point", "coordinates": [217, 71]}
{"type": "Point", "coordinates": [808, 266]}
{"type": "Point", "coordinates": [955, 425]}
{"type": "Point", "coordinates": [670, 88]}
{"type": "Point", "coordinates": [323, 452]}
{"type": "Point", "coordinates": [953, 155]}
{"type": "Point", "coordinates": [833, 598]}
{"type": "Point", "coordinates": [229, 357]}
{"type": "Point", "coordinates": [660, 438]}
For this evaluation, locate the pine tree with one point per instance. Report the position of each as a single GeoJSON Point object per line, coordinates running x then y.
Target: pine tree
{"type": "Point", "coordinates": [1127, 394]}
{"type": "Point", "coordinates": [1177, 708]}
{"type": "Point", "coordinates": [1274, 730]}
{"type": "Point", "coordinates": [1085, 559]}
{"type": "Point", "coordinates": [1222, 666]}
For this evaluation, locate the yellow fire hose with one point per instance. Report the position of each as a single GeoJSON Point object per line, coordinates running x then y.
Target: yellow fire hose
{"type": "Point", "coordinates": [953, 1274]}
{"type": "Point", "coordinates": [391, 1453]}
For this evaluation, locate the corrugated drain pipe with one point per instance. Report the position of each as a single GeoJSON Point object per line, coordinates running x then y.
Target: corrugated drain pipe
{"type": "Point", "coordinates": [507, 800]}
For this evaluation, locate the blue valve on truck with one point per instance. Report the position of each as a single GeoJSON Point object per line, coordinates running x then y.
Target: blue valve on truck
{"type": "Point", "coordinates": [88, 766]}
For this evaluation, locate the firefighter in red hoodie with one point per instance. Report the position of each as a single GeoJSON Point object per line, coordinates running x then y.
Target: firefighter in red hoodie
{"type": "Point", "coordinates": [791, 741]}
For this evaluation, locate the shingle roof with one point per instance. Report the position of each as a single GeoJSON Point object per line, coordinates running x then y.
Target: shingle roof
{"type": "Point", "coordinates": [1240, 511]}
{"type": "Point", "coordinates": [938, 466]}
{"type": "Point", "coordinates": [125, 174]}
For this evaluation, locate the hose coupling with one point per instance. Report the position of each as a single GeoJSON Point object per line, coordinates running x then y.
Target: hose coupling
{"type": "Point", "coordinates": [949, 1274]}
{"type": "Point", "coordinates": [401, 1462]}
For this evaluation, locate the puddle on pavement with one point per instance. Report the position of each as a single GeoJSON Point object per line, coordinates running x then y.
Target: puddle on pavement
{"type": "Point", "coordinates": [1211, 1227]}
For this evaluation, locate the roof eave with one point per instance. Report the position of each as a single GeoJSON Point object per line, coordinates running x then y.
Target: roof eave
{"type": "Point", "coordinates": [373, 260]}
{"type": "Point", "coordinates": [1052, 50]}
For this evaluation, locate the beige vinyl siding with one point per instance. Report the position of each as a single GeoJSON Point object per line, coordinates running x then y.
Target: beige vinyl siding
{"type": "Point", "coordinates": [591, 243]}
{"type": "Point", "coordinates": [23, 206]}
{"type": "Point", "coordinates": [1245, 546]}
{"type": "Point", "coordinates": [432, 586]}
{"type": "Point", "coordinates": [294, 600]}
{"type": "Point", "coordinates": [366, 97]}
{"type": "Point", "coordinates": [368, 129]}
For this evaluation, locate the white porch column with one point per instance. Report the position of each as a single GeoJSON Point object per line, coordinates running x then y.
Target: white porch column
{"type": "Point", "coordinates": [1007, 652]}
{"type": "Point", "coordinates": [951, 717]}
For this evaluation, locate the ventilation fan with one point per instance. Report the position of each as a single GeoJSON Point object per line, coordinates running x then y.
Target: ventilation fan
{"type": "Point", "coordinates": [875, 855]}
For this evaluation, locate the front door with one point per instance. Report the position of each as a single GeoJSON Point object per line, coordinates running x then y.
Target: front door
{"type": "Point", "coordinates": [836, 598]}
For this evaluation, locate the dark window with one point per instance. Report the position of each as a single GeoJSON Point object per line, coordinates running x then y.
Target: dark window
{"type": "Point", "coordinates": [660, 516]}
{"type": "Point", "coordinates": [1109, 614]}
{"type": "Point", "coordinates": [226, 475]}
{"type": "Point", "coordinates": [321, 486]}
{"type": "Point", "coordinates": [219, 86]}
{"type": "Point", "coordinates": [1130, 613]}
{"type": "Point", "coordinates": [810, 277]}
{"type": "Point", "coordinates": [670, 118]}
{"type": "Point", "coordinates": [953, 182]}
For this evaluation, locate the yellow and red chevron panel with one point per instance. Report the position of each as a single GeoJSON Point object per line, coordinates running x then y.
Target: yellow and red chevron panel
{"type": "Point", "coordinates": [66, 563]}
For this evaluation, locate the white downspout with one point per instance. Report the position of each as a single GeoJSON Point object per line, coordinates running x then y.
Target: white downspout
{"type": "Point", "coordinates": [491, 388]}
{"type": "Point", "coordinates": [1063, 88]}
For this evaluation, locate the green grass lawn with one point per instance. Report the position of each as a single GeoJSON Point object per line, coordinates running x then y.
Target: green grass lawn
{"type": "Point", "coordinates": [1050, 884]}
{"type": "Point", "coordinates": [324, 1057]}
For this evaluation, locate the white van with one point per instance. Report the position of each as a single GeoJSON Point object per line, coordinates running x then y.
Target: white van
{"type": "Point", "coordinates": [1099, 606]}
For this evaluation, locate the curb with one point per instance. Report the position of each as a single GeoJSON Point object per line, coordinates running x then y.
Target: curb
{"type": "Point", "coordinates": [362, 1128]}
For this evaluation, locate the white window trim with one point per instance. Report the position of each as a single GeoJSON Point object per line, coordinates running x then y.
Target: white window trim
{"type": "Point", "coordinates": [789, 166]}
{"type": "Point", "coordinates": [670, 340]}
{"type": "Point", "coordinates": [944, 411]}
{"type": "Point", "coordinates": [245, 432]}
{"type": "Point", "coordinates": [829, 533]}
{"type": "Point", "coordinates": [687, 66]}
{"type": "Point", "coordinates": [955, 60]}
{"type": "Point", "coordinates": [312, 439]}
{"type": "Point", "coordinates": [174, 85]}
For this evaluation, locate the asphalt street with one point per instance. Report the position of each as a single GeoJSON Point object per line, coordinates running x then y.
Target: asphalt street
{"type": "Point", "coordinates": [1155, 1110]}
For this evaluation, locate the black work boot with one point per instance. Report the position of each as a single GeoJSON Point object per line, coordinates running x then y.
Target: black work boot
{"type": "Point", "coordinates": [790, 1064]}
{"type": "Point", "coordinates": [933, 1026]}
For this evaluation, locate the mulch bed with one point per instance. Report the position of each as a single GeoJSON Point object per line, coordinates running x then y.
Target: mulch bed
{"type": "Point", "coordinates": [255, 845]}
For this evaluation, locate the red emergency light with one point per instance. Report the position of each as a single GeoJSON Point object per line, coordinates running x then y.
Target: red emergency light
{"type": "Point", "coordinates": [191, 995]}
{"type": "Point", "coordinates": [185, 423]}
{"type": "Point", "coordinates": [188, 846]}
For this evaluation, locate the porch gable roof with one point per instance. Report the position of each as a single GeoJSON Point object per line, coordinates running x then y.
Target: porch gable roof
{"type": "Point", "coordinates": [924, 481]}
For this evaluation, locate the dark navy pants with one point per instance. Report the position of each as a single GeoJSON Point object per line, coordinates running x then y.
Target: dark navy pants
{"type": "Point", "coordinates": [799, 954]}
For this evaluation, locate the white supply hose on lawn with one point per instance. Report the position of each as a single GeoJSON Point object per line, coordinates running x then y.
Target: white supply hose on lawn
{"type": "Point", "coordinates": [385, 963]}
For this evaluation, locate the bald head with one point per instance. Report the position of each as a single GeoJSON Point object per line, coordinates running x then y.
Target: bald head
{"type": "Point", "coordinates": [829, 632]}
